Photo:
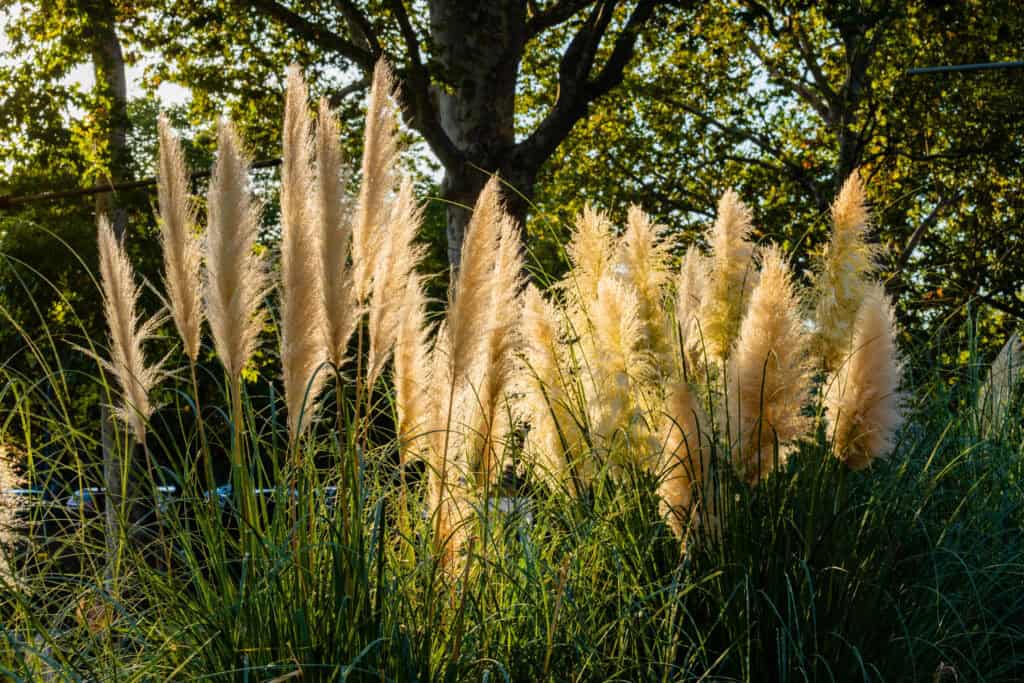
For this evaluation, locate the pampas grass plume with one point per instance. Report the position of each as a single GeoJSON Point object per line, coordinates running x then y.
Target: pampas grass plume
{"type": "Point", "coordinates": [10, 507]}
{"type": "Point", "coordinates": [684, 457]}
{"type": "Point", "coordinates": [412, 372]}
{"type": "Point", "coordinates": [643, 262]}
{"type": "Point", "coordinates": [236, 280]}
{"type": "Point", "coordinates": [302, 348]}
{"type": "Point", "coordinates": [843, 275]}
{"type": "Point", "coordinates": [334, 213]}
{"type": "Point", "coordinates": [128, 333]}
{"type": "Point", "coordinates": [395, 267]}
{"type": "Point", "coordinates": [182, 247]}
{"type": "Point", "coordinates": [591, 252]}
{"type": "Point", "coordinates": [380, 152]}
{"type": "Point", "coordinates": [769, 374]}
{"type": "Point", "coordinates": [690, 284]}
{"type": "Point", "coordinates": [731, 276]}
{"type": "Point", "coordinates": [862, 400]}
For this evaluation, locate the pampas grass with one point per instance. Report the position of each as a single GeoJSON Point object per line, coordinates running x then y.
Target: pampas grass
{"type": "Point", "coordinates": [861, 399]}
{"type": "Point", "coordinates": [591, 252]}
{"type": "Point", "coordinates": [769, 373]}
{"type": "Point", "coordinates": [412, 376]}
{"type": "Point", "coordinates": [236, 279]}
{"type": "Point", "coordinates": [334, 213]}
{"type": "Point", "coordinates": [731, 276]}
{"type": "Point", "coordinates": [690, 284]}
{"type": "Point", "coordinates": [396, 266]}
{"type": "Point", "coordinates": [996, 392]}
{"type": "Point", "coordinates": [643, 262]}
{"type": "Point", "coordinates": [380, 153]}
{"type": "Point", "coordinates": [182, 246]}
{"type": "Point", "coordinates": [128, 333]}
{"type": "Point", "coordinates": [843, 274]}
{"type": "Point", "coordinates": [302, 348]}
{"type": "Point", "coordinates": [684, 458]}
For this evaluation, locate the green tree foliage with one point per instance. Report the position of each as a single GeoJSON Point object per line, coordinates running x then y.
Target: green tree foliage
{"type": "Point", "coordinates": [781, 100]}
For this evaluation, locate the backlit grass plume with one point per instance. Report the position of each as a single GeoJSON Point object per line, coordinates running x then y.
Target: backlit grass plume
{"type": "Point", "coordinates": [412, 378]}
{"type": "Point", "coordinates": [302, 347]}
{"type": "Point", "coordinates": [643, 262]}
{"type": "Point", "coordinates": [684, 457]}
{"type": "Point", "coordinates": [501, 339]}
{"type": "Point", "coordinates": [843, 274]}
{"type": "Point", "coordinates": [334, 213]}
{"type": "Point", "coordinates": [769, 373]}
{"type": "Point", "coordinates": [553, 431]}
{"type": "Point", "coordinates": [1002, 379]}
{"type": "Point", "coordinates": [591, 252]}
{"type": "Point", "coordinates": [862, 398]}
{"type": "Point", "coordinates": [396, 265]}
{"type": "Point", "coordinates": [731, 276]}
{"type": "Point", "coordinates": [616, 361]}
{"type": "Point", "coordinates": [690, 285]}
{"type": "Point", "coordinates": [235, 276]}
{"type": "Point", "coordinates": [380, 152]}
{"type": "Point", "coordinates": [182, 246]}
{"type": "Point", "coordinates": [128, 332]}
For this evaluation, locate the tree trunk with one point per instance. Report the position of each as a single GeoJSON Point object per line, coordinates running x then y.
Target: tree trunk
{"type": "Point", "coordinates": [112, 88]}
{"type": "Point", "coordinates": [478, 46]}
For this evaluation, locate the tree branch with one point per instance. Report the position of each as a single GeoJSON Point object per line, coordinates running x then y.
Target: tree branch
{"type": "Point", "coordinates": [314, 33]}
{"type": "Point", "coordinates": [553, 16]}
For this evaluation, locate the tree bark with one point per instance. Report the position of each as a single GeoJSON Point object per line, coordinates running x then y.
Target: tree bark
{"type": "Point", "coordinates": [478, 47]}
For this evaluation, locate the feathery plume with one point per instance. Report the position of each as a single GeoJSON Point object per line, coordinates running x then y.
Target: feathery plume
{"type": "Point", "coordinates": [182, 247]}
{"type": "Point", "coordinates": [471, 296]}
{"type": "Point", "coordinates": [395, 267]}
{"type": "Point", "coordinates": [862, 400]}
{"type": "Point", "coordinates": [302, 349]}
{"type": "Point", "coordinates": [334, 212]}
{"type": "Point", "coordinates": [684, 457]}
{"type": "Point", "coordinates": [553, 431]}
{"type": "Point", "coordinates": [731, 276]}
{"type": "Point", "coordinates": [1002, 379]}
{"type": "Point", "coordinates": [412, 374]}
{"type": "Point", "coordinates": [235, 277]}
{"type": "Point", "coordinates": [769, 374]}
{"type": "Point", "coordinates": [128, 333]}
{"type": "Point", "coordinates": [842, 280]}
{"type": "Point", "coordinates": [10, 506]}
{"type": "Point", "coordinates": [380, 151]}
{"type": "Point", "coordinates": [616, 360]}
{"type": "Point", "coordinates": [501, 338]}
{"type": "Point", "coordinates": [690, 284]}
{"type": "Point", "coordinates": [591, 252]}
{"type": "Point", "coordinates": [643, 262]}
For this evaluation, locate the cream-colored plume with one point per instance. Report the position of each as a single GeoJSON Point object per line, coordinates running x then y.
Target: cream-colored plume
{"type": "Point", "coordinates": [591, 252]}
{"type": "Point", "coordinates": [731, 276]}
{"type": "Point", "coordinates": [470, 298]}
{"type": "Point", "coordinates": [302, 348]}
{"type": "Point", "coordinates": [684, 457]}
{"type": "Point", "coordinates": [396, 265]}
{"type": "Point", "coordinates": [498, 357]}
{"type": "Point", "coordinates": [690, 285]}
{"type": "Point", "coordinates": [616, 362]}
{"type": "Point", "coordinates": [769, 374]}
{"type": "Point", "coordinates": [553, 437]}
{"type": "Point", "coordinates": [643, 263]}
{"type": "Point", "coordinates": [413, 383]}
{"type": "Point", "coordinates": [128, 333]}
{"type": "Point", "coordinates": [1003, 378]}
{"type": "Point", "coordinates": [334, 213]}
{"type": "Point", "coordinates": [236, 280]}
{"type": "Point", "coordinates": [182, 246]}
{"type": "Point", "coordinates": [843, 277]}
{"type": "Point", "coordinates": [862, 398]}
{"type": "Point", "coordinates": [379, 176]}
